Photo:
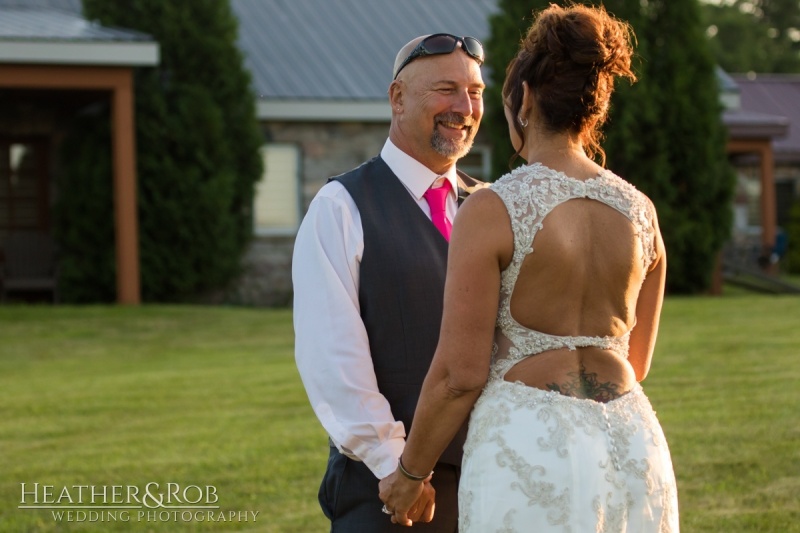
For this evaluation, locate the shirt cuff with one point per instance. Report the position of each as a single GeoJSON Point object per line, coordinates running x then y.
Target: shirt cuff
{"type": "Point", "coordinates": [382, 461]}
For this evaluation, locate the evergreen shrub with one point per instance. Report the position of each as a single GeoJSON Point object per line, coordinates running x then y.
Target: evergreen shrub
{"type": "Point", "coordinates": [197, 141]}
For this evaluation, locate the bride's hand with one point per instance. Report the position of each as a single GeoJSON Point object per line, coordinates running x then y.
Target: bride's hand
{"type": "Point", "coordinates": [410, 501]}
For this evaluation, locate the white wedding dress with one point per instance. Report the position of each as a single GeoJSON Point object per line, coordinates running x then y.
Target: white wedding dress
{"type": "Point", "coordinates": [538, 461]}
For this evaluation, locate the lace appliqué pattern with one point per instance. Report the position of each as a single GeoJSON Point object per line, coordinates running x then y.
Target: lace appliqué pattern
{"type": "Point", "coordinates": [563, 416]}
{"type": "Point", "coordinates": [611, 517]}
{"type": "Point", "coordinates": [482, 426]}
{"type": "Point", "coordinates": [559, 419]}
{"type": "Point", "coordinates": [532, 481]}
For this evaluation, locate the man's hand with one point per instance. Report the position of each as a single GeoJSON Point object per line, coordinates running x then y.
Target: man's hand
{"type": "Point", "coordinates": [410, 501]}
{"type": "Point", "coordinates": [423, 508]}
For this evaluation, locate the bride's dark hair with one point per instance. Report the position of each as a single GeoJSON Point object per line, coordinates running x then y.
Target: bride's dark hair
{"type": "Point", "coordinates": [569, 58]}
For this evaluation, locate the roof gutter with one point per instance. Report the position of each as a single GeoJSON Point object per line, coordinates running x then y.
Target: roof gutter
{"type": "Point", "coordinates": [97, 53]}
{"type": "Point", "coordinates": [323, 110]}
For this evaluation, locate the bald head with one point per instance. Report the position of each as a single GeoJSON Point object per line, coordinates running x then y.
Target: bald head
{"type": "Point", "coordinates": [404, 52]}
{"type": "Point", "coordinates": [435, 45]}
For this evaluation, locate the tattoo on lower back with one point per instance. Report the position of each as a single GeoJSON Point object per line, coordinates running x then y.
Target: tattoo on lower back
{"type": "Point", "coordinates": [583, 384]}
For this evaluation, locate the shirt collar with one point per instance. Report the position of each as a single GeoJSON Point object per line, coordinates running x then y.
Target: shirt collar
{"type": "Point", "coordinates": [416, 177]}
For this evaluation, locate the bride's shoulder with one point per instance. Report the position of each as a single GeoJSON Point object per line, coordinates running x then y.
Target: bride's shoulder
{"type": "Point", "coordinates": [482, 209]}
{"type": "Point", "coordinates": [625, 185]}
{"type": "Point", "coordinates": [636, 198]}
{"type": "Point", "coordinates": [521, 175]}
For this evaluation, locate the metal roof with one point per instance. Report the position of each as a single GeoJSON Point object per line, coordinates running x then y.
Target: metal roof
{"type": "Point", "coordinates": [54, 32]}
{"type": "Point", "coordinates": [68, 6]}
{"type": "Point", "coordinates": [342, 50]}
{"type": "Point", "coordinates": [56, 20]}
{"type": "Point", "coordinates": [775, 94]}
{"type": "Point", "coordinates": [743, 124]}
{"type": "Point", "coordinates": [47, 24]}
{"type": "Point", "coordinates": [41, 25]}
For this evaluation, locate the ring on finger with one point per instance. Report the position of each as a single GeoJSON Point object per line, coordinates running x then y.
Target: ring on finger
{"type": "Point", "coordinates": [385, 510]}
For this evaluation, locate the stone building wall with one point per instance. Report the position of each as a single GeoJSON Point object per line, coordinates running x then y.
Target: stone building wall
{"type": "Point", "coordinates": [266, 279]}
{"type": "Point", "coordinates": [326, 150]}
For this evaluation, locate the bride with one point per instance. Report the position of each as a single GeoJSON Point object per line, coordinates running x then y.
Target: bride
{"type": "Point", "coordinates": [554, 289]}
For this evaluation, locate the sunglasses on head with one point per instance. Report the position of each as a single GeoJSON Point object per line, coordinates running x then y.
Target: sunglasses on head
{"type": "Point", "coordinates": [443, 43]}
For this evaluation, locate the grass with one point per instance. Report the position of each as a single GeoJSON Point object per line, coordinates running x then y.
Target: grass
{"type": "Point", "coordinates": [726, 383]}
{"type": "Point", "coordinates": [122, 396]}
{"type": "Point", "coordinates": [210, 396]}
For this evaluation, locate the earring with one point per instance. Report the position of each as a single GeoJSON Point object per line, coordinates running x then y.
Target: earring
{"type": "Point", "coordinates": [523, 122]}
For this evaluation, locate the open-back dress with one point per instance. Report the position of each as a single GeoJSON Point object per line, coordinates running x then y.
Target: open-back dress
{"type": "Point", "coordinates": [539, 461]}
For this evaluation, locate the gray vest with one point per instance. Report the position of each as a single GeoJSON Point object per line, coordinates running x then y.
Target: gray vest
{"type": "Point", "coordinates": [401, 288]}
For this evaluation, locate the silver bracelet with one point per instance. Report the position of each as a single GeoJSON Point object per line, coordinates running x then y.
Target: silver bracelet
{"type": "Point", "coordinates": [408, 474]}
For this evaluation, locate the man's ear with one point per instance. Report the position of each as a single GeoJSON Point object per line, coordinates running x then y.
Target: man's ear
{"type": "Point", "coordinates": [396, 96]}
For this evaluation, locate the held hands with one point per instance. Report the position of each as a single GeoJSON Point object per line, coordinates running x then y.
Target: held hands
{"type": "Point", "coordinates": [410, 501]}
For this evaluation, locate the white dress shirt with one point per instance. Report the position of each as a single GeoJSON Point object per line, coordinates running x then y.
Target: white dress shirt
{"type": "Point", "coordinates": [331, 345]}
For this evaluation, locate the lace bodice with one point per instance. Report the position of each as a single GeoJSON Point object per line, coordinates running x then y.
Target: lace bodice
{"type": "Point", "coordinates": [530, 193]}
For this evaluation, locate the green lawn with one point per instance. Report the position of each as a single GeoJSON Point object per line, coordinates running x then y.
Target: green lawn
{"type": "Point", "coordinates": [209, 396]}
{"type": "Point", "coordinates": [188, 395]}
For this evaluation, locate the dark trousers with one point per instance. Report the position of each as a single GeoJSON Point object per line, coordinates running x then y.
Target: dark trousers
{"type": "Point", "coordinates": [349, 498]}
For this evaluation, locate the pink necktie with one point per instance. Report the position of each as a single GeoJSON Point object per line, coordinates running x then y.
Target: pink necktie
{"type": "Point", "coordinates": [437, 200]}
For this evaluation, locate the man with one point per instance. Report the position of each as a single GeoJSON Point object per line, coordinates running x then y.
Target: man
{"type": "Point", "coordinates": [368, 272]}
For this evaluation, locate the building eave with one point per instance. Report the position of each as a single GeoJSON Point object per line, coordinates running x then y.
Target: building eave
{"type": "Point", "coordinates": [760, 131]}
{"type": "Point", "coordinates": [52, 52]}
{"type": "Point", "coordinates": [323, 110]}
{"type": "Point", "coordinates": [787, 157]}
{"type": "Point", "coordinates": [750, 125]}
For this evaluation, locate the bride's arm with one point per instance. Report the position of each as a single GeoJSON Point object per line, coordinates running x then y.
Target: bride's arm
{"type": "Point", "coordinates": [481, 244]}
{"type": "Point", "coordinates": [648, 310]}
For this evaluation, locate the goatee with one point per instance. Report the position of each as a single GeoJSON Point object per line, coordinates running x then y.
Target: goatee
{"type": "Point", "coordinates": [452, 148]}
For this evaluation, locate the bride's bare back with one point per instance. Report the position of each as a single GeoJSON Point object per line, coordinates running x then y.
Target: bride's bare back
{"type": "Point", "coordinates": [580, 278]}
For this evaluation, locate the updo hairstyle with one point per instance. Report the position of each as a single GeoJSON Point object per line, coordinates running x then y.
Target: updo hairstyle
{"type": "Point", "coordinates": [570, 58]}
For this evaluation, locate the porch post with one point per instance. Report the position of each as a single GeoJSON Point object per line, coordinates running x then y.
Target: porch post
{"type": "Point", "coordinates": [126, 221]}
{"type": "Point", "coordinates": [769, 214]}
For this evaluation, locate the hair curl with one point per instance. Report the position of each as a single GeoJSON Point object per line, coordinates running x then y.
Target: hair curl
{"type": "Point", "coordinates": [570, 58]}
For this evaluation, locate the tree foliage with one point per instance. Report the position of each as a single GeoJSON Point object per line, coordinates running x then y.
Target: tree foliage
{"type": "Point", "coordinates": [85, 210]}
{"type": "Point", "coordinates": [664, 133]}
{"type": "Point", "coordinates": [197, 143]}
{"type": "Point", "coordinates": [793, 231]}
{"type": "Point", "coordinates": [755, 35]}
{"type": "Point", "coordinates": [506, 28]}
